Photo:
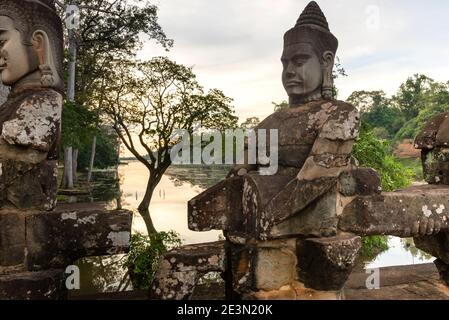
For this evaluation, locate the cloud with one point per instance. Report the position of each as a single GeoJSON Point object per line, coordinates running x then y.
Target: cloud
{"type": "Point", "coordinates": [235, 45]}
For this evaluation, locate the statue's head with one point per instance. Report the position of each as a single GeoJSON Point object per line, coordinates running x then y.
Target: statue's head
{"type": "Point", "coordinates": [31, 44]}
{"type": "Point", "coordinates": [308, 57]}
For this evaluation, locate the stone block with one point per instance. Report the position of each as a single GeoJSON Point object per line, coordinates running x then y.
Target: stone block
{"type": "Point", "coordinates": [435, 245]}
{"type": "Point", "coordinates": [56, 239]}
{"type": "Point", "coordinates": [180, 269]}
{"type": "Point", "coordinates": [436, 166]}
{"type": "Point", "coordinates": [362, 182]}
{"type": "Point", "coordinates": [27, 185]}
{"type": "Point", "coordinates": [43, 285]}
{"type": "Point", "coordinates": [218, 208]}
{"type": "Point", "coordinates": [275, 268]}
{"type": "Point", "coordinates": [325, 263]}
{"type": "Point", "coordinates": [443, 270]}
{"type": "Point", "coordinates": [12, 238]}
{"type": "Point", "coordinates": [413, 211]}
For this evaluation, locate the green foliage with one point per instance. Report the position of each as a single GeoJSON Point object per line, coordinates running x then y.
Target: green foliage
{"type": "Point", "coordinates": [405, 114]}
{"type": "Point", "coordinates": [372, 246]}
{"type": "Point", "coordinates": [411, 96]}
{"type": "Point", "coordinates": [106, 154]}
{"type": "Point", "coordinates": [433, 101]}
{"type": "Point", "coordinates": [145, 253]}
{"type": "Point", "coordinates": [250, 123]}
{"type": "Point", "coordinates": [378, 111]}
{"type": "Point", "coordinates": [280, 106]}
{"type": "Point", "coordinates": [338, 71]}
{"type": "Point", "coordinates": [375, 153]}
{"type": "Point", "coordinates": [78, 125]}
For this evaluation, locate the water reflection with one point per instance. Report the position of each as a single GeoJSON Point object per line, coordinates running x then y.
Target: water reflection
{"type": "Point", "coordinates": [401, 252]}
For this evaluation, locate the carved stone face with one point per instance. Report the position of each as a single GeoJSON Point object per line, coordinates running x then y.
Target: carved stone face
{"type": "Point", "coordinates": [16, 59]}
{"type": "Point", "coordinates": [302, 74]}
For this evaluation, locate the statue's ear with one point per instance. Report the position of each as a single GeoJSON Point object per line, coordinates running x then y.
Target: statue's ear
{"type": "Point", "coordinates": [328, 59]}
{"type": "Point", "coordinates": [328, 80]}
{"type": "Point", "coordinates": [41, 45]}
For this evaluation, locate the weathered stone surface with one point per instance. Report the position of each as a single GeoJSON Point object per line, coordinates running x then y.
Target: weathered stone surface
{"type": "Point", "coordinates": [443, 270]}
{"type": "Point", "coordinates": [316, 220]}
{"type": "Point", "coordinates": [422, 210]}
{"type": "Point", "coordinates": [36, 121]}
{"type": "Point", "coordinates": [239, 276]}
{"type": "Point", "coordinates": [325, 263]}
{"type": "Point", "coordinates": [28, 186]}
{"type": "Point", "coordinates": [296, 196]}
{"type": "Point", "coordinates": [427, 138]}
{"type": "Point", "coordinates": [275, 268]}
{"type": "Point", "coordinates": [435, 245]}
{"type": "Point", "coordinates": [180, 269]}
{"type": "Point", "coordinates": [43, 285]}
{"type": "Point", "coordinates": [434, 142]}
{"type": "Point", "coordinates": [361, 182]}
{"type": "Point", "coordinates": [436, 165]}
{"type": "Point", "coordinates": [257, 191]}
{"type": "Point", "coordinates": [28, 143]}
{"type": "Point", "coordinates": [219, 208]}
{"type": "Point", "coordinates": [12, 238]}
{"type": "Point", "coordinates": [4, 91]}
{"type": "Point", "coordinates": [56, 239]}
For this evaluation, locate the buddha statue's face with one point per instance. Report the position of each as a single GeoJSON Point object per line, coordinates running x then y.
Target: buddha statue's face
{"type": "Point", "coordinates": [16, 59]}
{"type": "Point", "coordinates": [302, 74]}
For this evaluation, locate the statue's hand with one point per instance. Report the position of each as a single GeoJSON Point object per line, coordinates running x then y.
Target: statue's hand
{"type": "Point", "coordinates": [425, 227]}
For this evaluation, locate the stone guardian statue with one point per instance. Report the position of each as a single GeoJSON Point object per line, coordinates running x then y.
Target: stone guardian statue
{"type": "Point", "coordinates": [31, 51]}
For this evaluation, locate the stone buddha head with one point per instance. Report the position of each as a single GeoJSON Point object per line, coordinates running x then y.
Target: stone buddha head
{"type": "Point", "coordinates": [31, 44]}
{"type": "Point", "coordinates": [308, 57]}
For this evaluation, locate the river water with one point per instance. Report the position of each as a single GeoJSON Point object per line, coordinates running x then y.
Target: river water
{"type": "Point", "coordinates": [169, 212]}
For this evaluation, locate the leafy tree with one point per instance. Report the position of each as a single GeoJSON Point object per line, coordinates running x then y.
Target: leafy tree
{"type": "Point", "coordinates": [147, 102]}
{"type": "Point", "coordinates": [280, 106]}
{"type": "Point", "coordinates": [410, 98]}
{"type": "Point", "coordinates": [107, 150]}
{"type": "Point", "coordinates": [250, 123]}
{"type": "Point", "coordinates": [338, 71]}
{"type": "Point", "coordinates": [378, 111]}
{"type": "Point", "coordinates": [109, 29]}
{"type": "Point", "coordinates": [434, 100]}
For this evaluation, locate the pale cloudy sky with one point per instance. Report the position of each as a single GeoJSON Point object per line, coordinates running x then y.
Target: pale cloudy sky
{"type": "Point", "coordinates": [235, 45]}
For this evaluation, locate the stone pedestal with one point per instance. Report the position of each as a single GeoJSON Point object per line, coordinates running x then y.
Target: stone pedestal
{"type": "Point", "coordinates": [37, 246]}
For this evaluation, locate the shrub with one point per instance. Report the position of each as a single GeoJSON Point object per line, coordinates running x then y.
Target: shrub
{"type": "Point", "coordinates": [372, 152]}
{"type": "Point", "coordinates": [144, 255]}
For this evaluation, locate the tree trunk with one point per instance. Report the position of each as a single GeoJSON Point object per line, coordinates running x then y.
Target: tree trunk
{"type": "Point", "coordinates": [145, 204]}
{"type": "Point", "coordinates": [75, 165]}
{"type": "Point", "coordinates": [148, 221]}
{"type": "Point", "coordinates": [92, 159]}
{"type": "Point", "coordinates": [68, 168]}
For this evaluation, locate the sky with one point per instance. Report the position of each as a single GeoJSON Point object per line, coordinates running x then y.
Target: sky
{"type": "Point", "coordinates": [235, 45]}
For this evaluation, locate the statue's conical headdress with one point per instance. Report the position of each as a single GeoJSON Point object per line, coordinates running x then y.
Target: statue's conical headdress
{"type": "Point", "coordinates": [312, 27]}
